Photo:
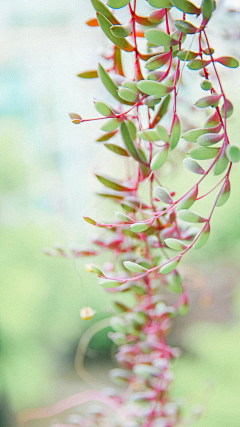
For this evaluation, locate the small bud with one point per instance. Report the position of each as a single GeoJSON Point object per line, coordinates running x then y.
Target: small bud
{"type": "Point", "coordinates": [75, 118]}
{"type": "Point", "coordinates": [86, 313]}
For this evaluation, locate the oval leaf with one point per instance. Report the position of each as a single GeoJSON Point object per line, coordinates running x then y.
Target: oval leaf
{"type": "Point", "coordinates": [176, 133]}
{"type": "Point", "coordinates": [116, 149]}
{"type": "Point", "coordinates": [132, 266]}
{"type": "Point", "coordinates": [175, 244]}
{"type": "Point", "coordinates": [163, 195]}
{"type": "Point", "coordinates": [158, 61]}
{"type": "Point", "coordinates": [117, 4]}
{"type": "Point", "coordinates": [208, 101]}
{"type": "Point", "coordinates": [228, 61]}
{"type": "Point", "coordinates": [190, 216]}
{"type": "Point", "coordinates": [129, 144]}
{"type": "Point", "coordinates": [224, 193]}
{"type": "Point", "coordinates": [233, 153]}
{"type": "Point", "coordinates": [203, 237]}
{"type": "Point", "coordinates": [185, 27]}
{"type": "Point", "coordinates": [103, 108]}
{"type": "Point", "coordinates": [121, 42]}
{"type": "Point", "coordinates": [115, 185]}
{"type": "Point", "coordinates": [153, 88]}
{"type": "Point", "coordinates": [204, 153]}
{"type": "Point", "coordinates": [160, 158]}
{"type": "Point", "coordinates": [107, 283]}
{"type": "Point", "coordinates": [160, 38]}
{"type": "Point", "coordinates": [139, 227]}
{"type": "Point", "coordinates": [189, 199]}
{"type": "Point", "coordinates": [209, 139]}
{"type": "Point", "coordinates": [193, 166]}
{"type": "Point", "coordinates": [169, 266]}
{"type": "Point", "coordinates": [186, 6]}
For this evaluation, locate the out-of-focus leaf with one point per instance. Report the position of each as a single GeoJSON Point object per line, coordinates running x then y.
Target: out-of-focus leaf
{"type": "Point", "coordinates": [96, 270]}
{"type": "Point", "coordinates": [208, 101]}
{"type": "Point", "coordinates": [209, 139]}
{"type": "Point", "coordinates": [186, 6]}
{"type": "Point", "coordinates": [123, 217]}
{"type": "Point", "coordinates": [109, 84]}
{"type": "Point", "coordinates": [163, 195]}
{"type": "Point", "coordinates": [121, 42]}
{"type": "Point", "coordinates": [92, 22]}
{"type": "Point", "coordinates": [159, 158]}
{"type": "Point", "coordinates": [111, 125]}
{"type": "Point", "coordinates": [130, 84]}
{"type": "Point", "coordinates": [162, 110]}
{"type": "Point", "coordinates": [92, 74]}
{"type": "Point", "coordinates": [112, 183]}
{"type": "Point", "coordinates": [158, 61]}
{"type": "Point", "coordinates": [160, 38]}
{"type": "Point", "coordinates": [185, 27]}
{"type": "Point", "coordinates": [207, 9]}
{"type": "Point", "coordinates": [176, 132]}
{"type": "Point", "coordinates": [233, 153]}
{"type": "Point", "coordinates": [224, 193]}
{"type": "Point", "coordinates": [89, 220]}
{"type": "Point", "coordinates": [156, 16]}
{"type": "Point", "coordinates": [117, 149]}
{"type": "Point", "coordinates": [204, 153]}
{"type": "Point", "coordinates": [212, 120]}
{"type": "Point", "coordinates": [163, 134]}
{"type": "Point", "coordinates": [149, 135]}
{"type": "Point", "coordinates": [190, 216]}
{"type": "Point", "coordinates": [193, 166]}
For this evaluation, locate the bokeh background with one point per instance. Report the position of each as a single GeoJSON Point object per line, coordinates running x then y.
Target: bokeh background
{"type": "Point", "coordinates": [47, 185]}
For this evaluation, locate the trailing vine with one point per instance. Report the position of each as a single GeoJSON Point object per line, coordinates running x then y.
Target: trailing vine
{"type": "Point", "coordinates": [152, 229]}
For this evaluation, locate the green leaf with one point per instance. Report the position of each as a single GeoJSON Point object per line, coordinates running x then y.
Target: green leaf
{"type": "Point", "coordinates": [221, 164]}
{"type": "Point", "coordinates": [139, 227]}
{"type": "Point", "coordinates": [174, 281]}
{"type": "Point", "coordinates": [206, 85]}
{"type": "Point", "coordinates": [163, 134]}
{"type": "Point", "coordinates": [209, 139]}
{"type": "Point", "coordinates": [156, 16]}
{"type": "Point", "coordinates": [158, 61]}
{"type": "Point", "coordinates": [121, 30]}
{"type": "Point", "coordinates": [120, 42]}
{"type": "Point", "coordinates": [229, 109]}
{"type": "Point", "coordinates": [162, 109]}
{"type": "Point", "coordinates": [163, 195]}
{"type": "Point", "coordinates": [203, 237]}
{"type": "Point", "coordinates": [127, 94]}
{"type": "Point", "coordinates": [129, 144]}
{"type": "Point", "coordinates": [102, 8]}
{"type": "Point", "coordinates": [193, 134]}
{"type": "Point", "coordinates": [176, 133]}
{"type": "Point", "coordinates": [89, 220]}
{"type": "Point", "coordinates": [120, 376]}
{"type": "Point", "coordinates": [107, 136]}
{"type": "Point", "coordinates": [190, 216]}
{"type": "Point", "coordinates": [193, 166]}
{"type": "Point", "coordinates": [185, 27]}
{"type": "Point", "coordinates": [189, 199]}
{"type": "Point", "coordinates": [159, 158]}
{"type": "Point", "coordinates": [145, 371]}
{"type": "Point", "coordinates": [117, 4]}
{"type": "Point", "coordinates": [170, 266]}
{"type": "Point", "coordinates": [186, 6]}
{"type": "Point", "coordinates": [204, 153]}
{"type": "Point", "coordinates": [187, 55]}
{"type": "Point", "coordinates": [224, 193]}
{"type": "Point", "coordinates": [132, 266]}
{"type": "Point", "coordinates": [160, 38]}
{"type": "Point", "coordinates": [208, 101]}
{"type": "Point", "coordinates": [233, 153]}
{"type": "Point", "coordinates": [132, 129]}
{"type": "Point", "coordinates": [109, 84]}
{"type": "Point", "coordinates": [130, 84]}
{"type": "Point", "coordinates": [96, 270]}
{"type": "Point", "coordinates": [117, 149]}
{"type": "Point", "coordinates": [92, 74]}
{"type": "Point", "coordinates": [212, 120]}
{"type": "Point", "coordinates": [123, 217]}
{"type": "Point", "coordinates": [76, 119]}
{"type": "Point", "coordinates": [153, 88]}
{"type": "Point", "coordinates": [175, 244]}
{"type": "Point", "coordinates": [115, 185]}
{"type": "Point", "coordinates": [197, 64]}
{"type": "Point", "coordinates": [228, 61]}
{"type": "Point", "coordinates": [111, 125]}
{"type": "Point", "coordinates": [207, 9]}
{"type": "Point", "coordinates": [149, 135]}
{"type": "Point", "coordinates": [103, 108]}
{"type": "Point", "coordinates": [160, 3]}
{"type": "Point", "coordinates": [107, 283]}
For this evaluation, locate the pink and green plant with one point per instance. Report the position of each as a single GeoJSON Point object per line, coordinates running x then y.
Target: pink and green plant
{"type": "Point", "coordinates": [152, 232]}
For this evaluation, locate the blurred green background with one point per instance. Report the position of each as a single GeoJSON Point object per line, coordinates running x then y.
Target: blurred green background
{"type": "Point", "coordinates": [47, 185]}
